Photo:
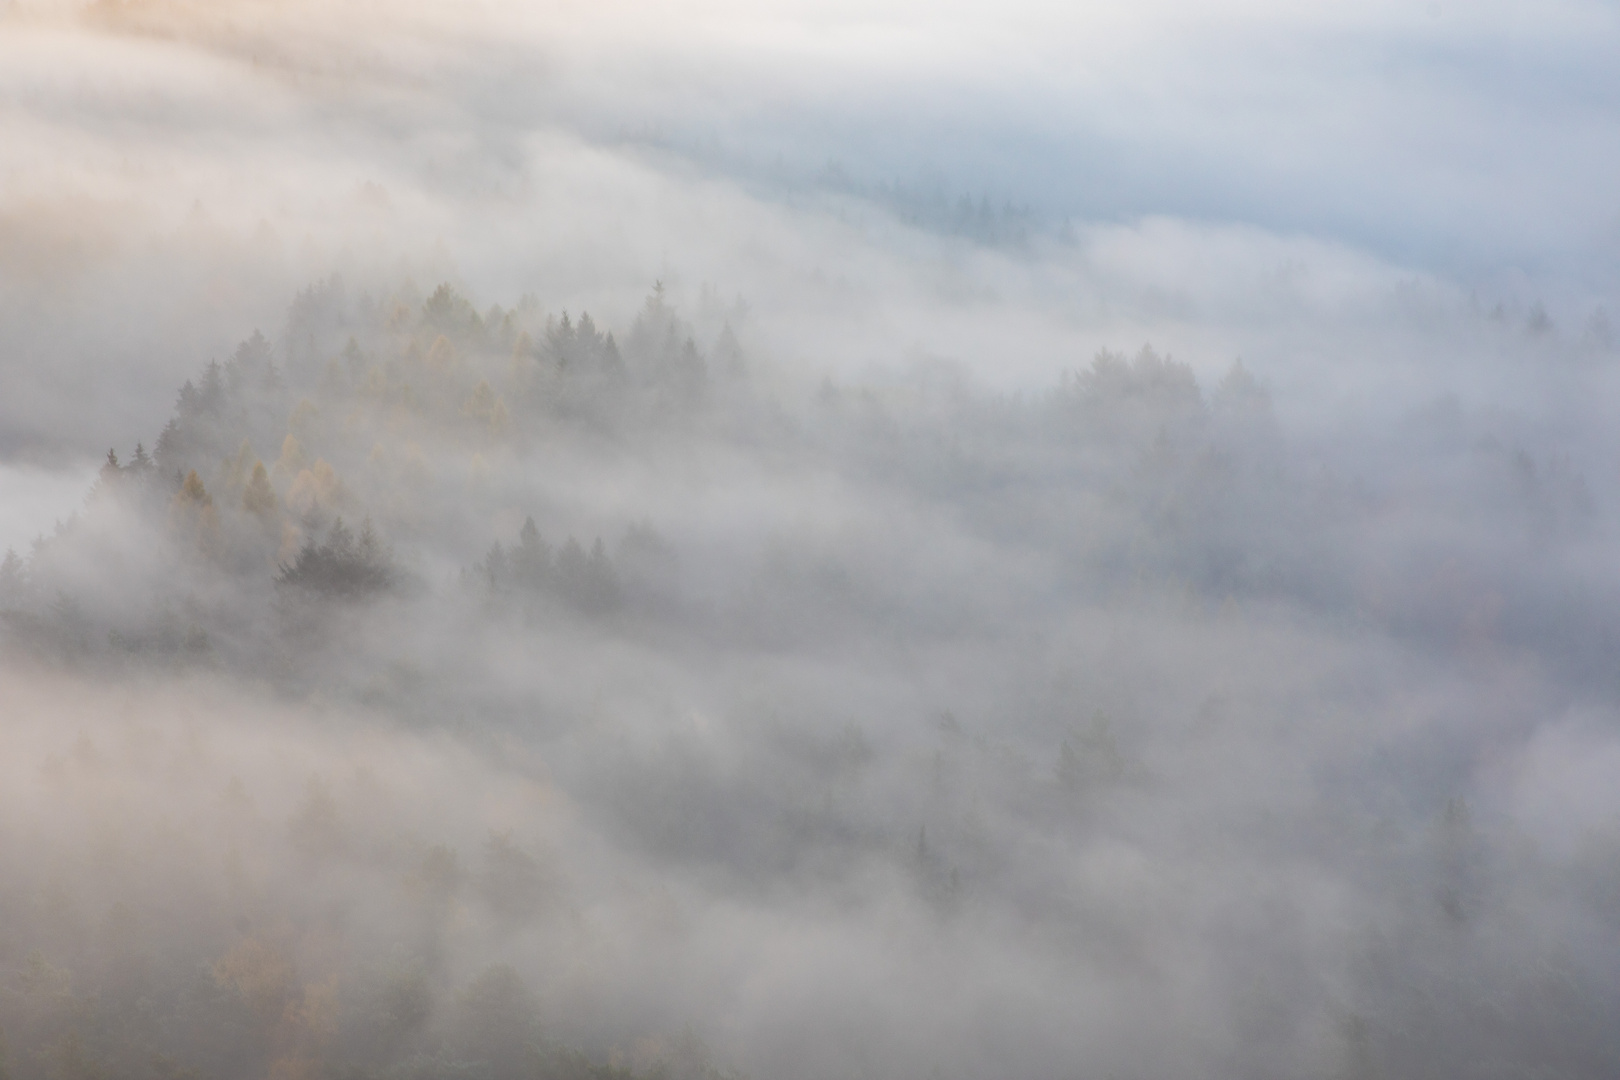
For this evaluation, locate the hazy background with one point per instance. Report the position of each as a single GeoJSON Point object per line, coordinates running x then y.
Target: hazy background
{"type": "Point", "coordinates": [959, 706]}
{"type": "Point", "coordinates": [1324, 193]}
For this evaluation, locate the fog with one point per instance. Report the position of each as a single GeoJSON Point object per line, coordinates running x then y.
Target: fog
{"type": "Point", "coordinates": [808, 540]}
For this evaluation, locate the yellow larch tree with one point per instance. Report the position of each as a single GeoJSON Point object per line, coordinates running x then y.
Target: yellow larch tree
{"type": "Point", "coordinates": [192, 514]}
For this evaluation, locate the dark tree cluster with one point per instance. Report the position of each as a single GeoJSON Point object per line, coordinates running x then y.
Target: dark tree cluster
{"type": "Point", "coordinates": [529, 569]}
{"type": "Point", "coordinates": [343, 565]}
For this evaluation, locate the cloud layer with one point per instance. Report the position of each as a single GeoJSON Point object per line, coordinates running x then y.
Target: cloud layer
{"type": "Point", "coordinates": [700, 572]}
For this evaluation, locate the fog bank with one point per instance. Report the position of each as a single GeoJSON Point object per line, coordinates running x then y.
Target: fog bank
{"type": "Point", "coordinates": [795, 541]}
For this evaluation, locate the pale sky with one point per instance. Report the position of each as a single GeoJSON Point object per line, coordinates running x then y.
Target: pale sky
{"type": "Point", "coordinates": [1214, 160]}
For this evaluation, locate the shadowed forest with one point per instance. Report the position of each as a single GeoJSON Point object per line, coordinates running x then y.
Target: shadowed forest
{"type": "Point", "coordinates": [462, 691]}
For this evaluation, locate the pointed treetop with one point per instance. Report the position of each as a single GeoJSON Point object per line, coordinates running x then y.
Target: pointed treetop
{"type": "Point", "coordinates": [192, 490]}
{"type": "Point", "coordinates": [259, 497]}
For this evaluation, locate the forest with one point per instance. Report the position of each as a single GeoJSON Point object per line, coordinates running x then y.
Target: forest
{"type": "Point", "coordinates": [792, 540]}
{"type": "Point", "coordinates": [493, 693]}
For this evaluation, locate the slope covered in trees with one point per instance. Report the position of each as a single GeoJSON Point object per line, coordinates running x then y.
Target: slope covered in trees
{"type": "Point", "coordinates": [672, 658]}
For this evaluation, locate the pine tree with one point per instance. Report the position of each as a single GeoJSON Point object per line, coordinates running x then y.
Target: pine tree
{"type": "Point", "coordinates": [342, 566]}
{"type": "Point", "coordinates": [173, 446]}
{"type": "Point", "coordinates": [612, 362]}
{"type": "Point", "coordinates": [259, 498]}
{"type": "Point", "coordinates": [189, 401]}
{"type": "Point", "coordinates": [211, 394]}
{"type": "Point", "coordinates": [531, 559]}
{"type": "Point", "coordinates": [370, 548]}
{"type": "Point", "coordinates": [559, 344]}
{"type": "Point", "coordinates": [13, 579]}
{"type": "Point", "coordinates": [110, 477]}
{"type": "Point", "coordinates": [495, 568]}
{"type": "Point", "coordinates": [728, 351]}
{"type": "Point", "coordinates": [572, 570]}
{"type": "Point", "coordinates": [353, 358]}
{"type": "Point", "coordinates": [254, 352]}
{"type": "Point", "coordinates": [340, 542]}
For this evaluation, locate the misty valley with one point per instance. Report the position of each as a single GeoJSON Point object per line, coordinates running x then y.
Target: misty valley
{"type": "Point", "coordinates": [463, 691]}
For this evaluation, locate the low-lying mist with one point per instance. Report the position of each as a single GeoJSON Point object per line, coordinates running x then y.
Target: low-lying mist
{"type": "Point", "coordinates": [448, 691]}
{"type": "Point", "coordinates": [806, 542]}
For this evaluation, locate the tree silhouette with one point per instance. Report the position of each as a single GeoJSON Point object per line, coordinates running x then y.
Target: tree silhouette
{"type": "Point", "coordinates": [342, 566]}
{"type": "Point", "coordinates": [258, 497]}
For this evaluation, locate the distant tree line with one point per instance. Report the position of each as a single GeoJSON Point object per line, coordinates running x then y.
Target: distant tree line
{"type": "Point", "coordinates": [529, 569]}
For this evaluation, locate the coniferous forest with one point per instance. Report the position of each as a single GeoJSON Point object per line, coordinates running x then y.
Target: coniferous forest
{"type": "Point", "coordinates": [803, 541]}
{"type": "Point", "coordinates": [500, 674]}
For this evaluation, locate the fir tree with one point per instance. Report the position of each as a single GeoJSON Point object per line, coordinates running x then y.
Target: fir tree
{"type": "Point", "coordinates": [259, 498]}
{"type": "Point", "coordinates": [13, 580]}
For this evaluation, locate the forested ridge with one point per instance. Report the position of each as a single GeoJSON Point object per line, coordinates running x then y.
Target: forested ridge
{"type": "Point", "coordinates": [422, 425]}
{"type": "Point", "coordinates": [674, 540]}
{"type": "Point", "coordinates": [669, 637]}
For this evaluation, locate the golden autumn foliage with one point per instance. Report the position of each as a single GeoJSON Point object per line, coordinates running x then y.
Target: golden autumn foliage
{"type": "Point", "coordinates": [192, 515]}
{"type": "Point", "coordinates": [522, 352]}
{"type": "Point", "coordinates": [291, 462]}
{"type": "Point", "coordinates": [303, 417]}
{"type": "Point", "coordinates": [299, 1019]}
{"type": "Point", "coordinates": [240, 467]}
{"type": "Point", "coordinates": [316, 488]}
{"type": "Point", "coordinates": [313, 1017]}
{"type": "Point", "coordinates": [485, 409]}
{"type": "Point", "coordinates": [442, 356]}
{"type": "Point", "coordinates": [261, 973]}
{"type": "Point", "coordinates": [192, 492]}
